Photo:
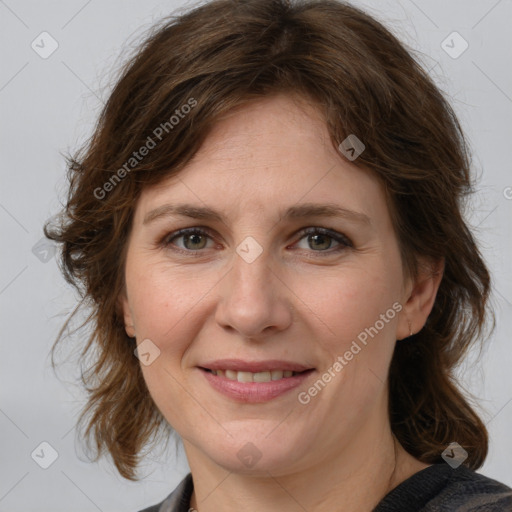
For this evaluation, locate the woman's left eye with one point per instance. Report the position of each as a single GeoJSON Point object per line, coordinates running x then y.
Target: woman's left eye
{"type": "Point", "coordinates": [323, 238]}
{"type": "Point", "coordinates": [194, 240]}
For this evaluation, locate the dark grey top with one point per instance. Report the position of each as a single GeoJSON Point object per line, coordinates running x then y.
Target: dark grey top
{"type": "Point", "coordinates": [438, 488]}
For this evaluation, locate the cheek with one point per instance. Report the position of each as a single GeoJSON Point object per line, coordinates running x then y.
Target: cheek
{"type": "Point", "coordinates": [163, 302]}
{"type": "Point", "coordinates": [353, 303]}
{"type": "Point", "coordinates": [161, 296]}
{"type": "Point", "coordinates": [169, 305]}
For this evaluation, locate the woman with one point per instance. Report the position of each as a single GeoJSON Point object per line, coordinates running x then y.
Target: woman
{"type": "Point", "coordinates": [298, 377]}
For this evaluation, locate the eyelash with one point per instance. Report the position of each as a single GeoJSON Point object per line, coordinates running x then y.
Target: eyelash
{"type": "Point", "coordinates": [344, 242]}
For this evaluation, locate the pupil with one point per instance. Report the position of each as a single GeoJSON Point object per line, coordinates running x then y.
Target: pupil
{"type": "Point", "coordinates": [193, 238]}
{"type": "Point", "coordinates": [316, 237]}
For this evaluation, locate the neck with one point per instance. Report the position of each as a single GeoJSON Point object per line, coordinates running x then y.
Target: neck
{"type": "Point", "coordinates": [353, 481]}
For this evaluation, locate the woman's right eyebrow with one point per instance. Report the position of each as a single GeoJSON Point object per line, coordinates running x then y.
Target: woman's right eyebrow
{"type": "Point", "coordinates": [182, 210]}
{"type": "Point", "coordinates": [304, 210]}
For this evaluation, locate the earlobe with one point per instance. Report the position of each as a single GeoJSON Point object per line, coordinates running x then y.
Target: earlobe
{"type": "Point", "coordinates": [421, 299]}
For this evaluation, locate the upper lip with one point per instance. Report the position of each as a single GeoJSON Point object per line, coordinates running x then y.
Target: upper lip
{"type": "Point", "coordinates": [254, 366]}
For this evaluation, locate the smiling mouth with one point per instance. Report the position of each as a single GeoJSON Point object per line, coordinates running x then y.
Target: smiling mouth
{"type": "Point", "coordinates": [266, 376]}
{"type": "Point", "coordinates": [254, 387]}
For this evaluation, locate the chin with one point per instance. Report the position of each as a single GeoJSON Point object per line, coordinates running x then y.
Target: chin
{"type": "Point", "coordinates": [256, 453]}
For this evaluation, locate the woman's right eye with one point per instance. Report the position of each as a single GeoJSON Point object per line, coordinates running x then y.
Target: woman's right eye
{"type": "Point", "coordinates": [194, 239]}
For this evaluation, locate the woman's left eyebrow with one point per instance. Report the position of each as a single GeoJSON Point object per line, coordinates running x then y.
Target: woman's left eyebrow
{"type": "Point", "coordinates": [304, 210]}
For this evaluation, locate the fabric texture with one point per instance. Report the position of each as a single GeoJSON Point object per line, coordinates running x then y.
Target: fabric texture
{"type": "Point", "coordinates": [438, 488]}
{"type": "Point", "coordinates": [178, 500]}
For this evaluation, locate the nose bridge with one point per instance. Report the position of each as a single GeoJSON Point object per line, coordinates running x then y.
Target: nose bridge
{"type": "Point", "coordinates": [250, 272]}
{"type": "Point", "coordinates": [252, 299]}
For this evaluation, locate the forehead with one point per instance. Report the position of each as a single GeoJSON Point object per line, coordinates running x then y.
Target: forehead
{"type": "Point", "coordinates": [264, 155]}
{"type": "Point", "coordinates": [280, 125]}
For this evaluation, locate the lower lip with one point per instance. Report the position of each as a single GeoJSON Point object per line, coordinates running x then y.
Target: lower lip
{"type": "Point", "coordinates": [255, 392]}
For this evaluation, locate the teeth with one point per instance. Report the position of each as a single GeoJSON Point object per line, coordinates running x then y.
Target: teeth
{"type": "Point", "coordinates": [230, 374]}
{"type": "Point", "coordinates": [277, 374]}
{"type": "Point", "coordinates": [261, 377]}
{"type": "Point", "coordinates": [254, 377]}
{"type": "Point", "coordinates": [244, 377]}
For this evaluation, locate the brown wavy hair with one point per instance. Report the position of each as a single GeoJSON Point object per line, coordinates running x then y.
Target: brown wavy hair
{"type": "Point", "coordinates": [219, 56]}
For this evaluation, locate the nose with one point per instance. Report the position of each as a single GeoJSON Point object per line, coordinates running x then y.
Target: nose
{"type": "Point", "coordinates": [254, 300]}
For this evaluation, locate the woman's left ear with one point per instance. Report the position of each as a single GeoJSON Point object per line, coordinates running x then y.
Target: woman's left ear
{"type": "Point", "coordinates": [420, 299]}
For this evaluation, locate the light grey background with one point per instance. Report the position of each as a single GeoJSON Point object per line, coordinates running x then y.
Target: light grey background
{"type": "Point", "coordinates": [50, 105]}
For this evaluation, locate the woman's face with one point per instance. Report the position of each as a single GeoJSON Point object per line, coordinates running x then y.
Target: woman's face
{"type": "Point", "coordinates": [262, 286]}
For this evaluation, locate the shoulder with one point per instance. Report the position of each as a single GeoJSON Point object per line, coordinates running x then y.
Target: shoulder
{"type": "Point", "coordinates": [473, 492]}
{"type": "Point", "coordinates": [178, 500]}
{"type": "Point", "coordinates": [440, 487]}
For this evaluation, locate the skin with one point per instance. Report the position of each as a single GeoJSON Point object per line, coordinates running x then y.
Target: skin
{"type": "Point", "coordinates": [300, 300]}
